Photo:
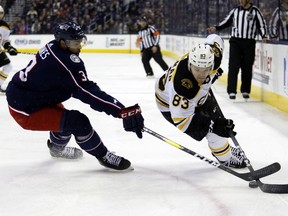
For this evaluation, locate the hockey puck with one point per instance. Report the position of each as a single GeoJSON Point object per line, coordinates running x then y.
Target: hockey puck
{"type": "Point", "coordinates": [253, 184]}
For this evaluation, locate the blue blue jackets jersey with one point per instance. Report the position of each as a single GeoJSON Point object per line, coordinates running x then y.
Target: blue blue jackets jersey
{"type": "Point", "coordinates": [52, 77]}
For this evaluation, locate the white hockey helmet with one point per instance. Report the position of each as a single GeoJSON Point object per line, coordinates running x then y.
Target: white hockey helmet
{"type": "Point", "coordinates": [201, 56]}
{"type": "Point", "coordinates": [215, 40]}
{"type": "Point", "coordinates": [1, 9]}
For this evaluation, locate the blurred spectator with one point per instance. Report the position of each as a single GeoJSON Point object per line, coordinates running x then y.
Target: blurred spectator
{"type": "Point", "coordinates": [279, 22]}
{"type": "Point", "coordinates": [148, 12]}
{"type": "Point", "coordinates": [22, 27]}
{"type": "Point", "coordinates": [31, 16]}
{"type": "Point", "coordinates": [36, 27]}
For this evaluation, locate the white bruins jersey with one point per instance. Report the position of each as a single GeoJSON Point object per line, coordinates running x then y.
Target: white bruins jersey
{"type": "Point", "coordinates": [178, 92]}
{"type": "Point", "coordinates": [4, 33]}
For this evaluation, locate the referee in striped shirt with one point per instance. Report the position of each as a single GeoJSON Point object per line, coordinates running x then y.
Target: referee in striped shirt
{"type": "Point", "coordinates": [246, 20]}
{"type": "Point", "coordinates": [148, 41]}
{"type": "Point", "coordinates": [279, 22]}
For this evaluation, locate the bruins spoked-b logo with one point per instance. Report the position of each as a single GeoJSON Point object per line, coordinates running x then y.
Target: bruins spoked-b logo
{"type": "Point", "coordinates": [186, 83]}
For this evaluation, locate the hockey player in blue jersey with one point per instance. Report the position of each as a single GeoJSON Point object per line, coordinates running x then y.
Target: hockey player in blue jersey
{"type": "Point", "coordinates": [57, 73]}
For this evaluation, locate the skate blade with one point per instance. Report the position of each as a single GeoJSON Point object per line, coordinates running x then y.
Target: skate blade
{"type": "Point", "coordinates": [129, 169]}
{"type": "Point", "coordinates": [67, 159]}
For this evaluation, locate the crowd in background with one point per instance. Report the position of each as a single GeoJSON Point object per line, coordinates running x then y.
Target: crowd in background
{"type": "Point", "coordinates": [95, 16]}
{"type": "Point", "coordinates": [184, 17]}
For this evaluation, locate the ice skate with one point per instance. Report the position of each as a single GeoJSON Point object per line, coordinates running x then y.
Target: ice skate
{"type": "Point", "coordinates": [232, 96]}
{"type": "Point", "coordinates": [150, 75]}
{"type": "Point", "coordinates": [245, 96]}
{"type": "Point", "coordinates": [64, 152]}
{"type": "Point", "coordinates": [112, 161]}
{"type": "Point", "coordinates": [236, 160]}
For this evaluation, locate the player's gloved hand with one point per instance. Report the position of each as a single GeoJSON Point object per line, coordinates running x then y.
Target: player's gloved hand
{"type": "Point", "coordinates": [222, 127]}
{"type": "Point", "coordinates": [132, 119]}
{"type": "Point", "coordinates": [217, 75]}
{"type": "Point", "coordinates": [12, 51]}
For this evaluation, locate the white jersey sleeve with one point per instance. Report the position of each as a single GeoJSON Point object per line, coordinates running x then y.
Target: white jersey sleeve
{"type": "Point", "coordinates": [4, 35]}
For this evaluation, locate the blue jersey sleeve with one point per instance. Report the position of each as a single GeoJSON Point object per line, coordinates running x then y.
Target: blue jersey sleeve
{"type": "Point", "coordinates": [52, 77]}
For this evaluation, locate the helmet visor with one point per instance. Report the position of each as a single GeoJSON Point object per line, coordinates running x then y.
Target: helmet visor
{"type": "Point", "coordinates": [76, 44]}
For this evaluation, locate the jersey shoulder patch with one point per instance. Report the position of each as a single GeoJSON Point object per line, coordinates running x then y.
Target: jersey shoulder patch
{"type": "Point", "coordinates": [74, 58]}
{"type": "Point", "coordinates": [184, 82]}
{"type": "Point", "coordinates": [217, 56]}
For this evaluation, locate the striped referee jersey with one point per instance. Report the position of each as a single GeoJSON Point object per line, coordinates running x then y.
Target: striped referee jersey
{"type": "Point", "coordinates": [245, 22]}
{"type": "Point", "coordinates": [148, 37]}
{"type": "Point", "coordinates": [278, 26]}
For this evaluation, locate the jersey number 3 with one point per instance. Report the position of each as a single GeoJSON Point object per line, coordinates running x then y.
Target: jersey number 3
{"type": "Point", "coordinates": [23, 74]}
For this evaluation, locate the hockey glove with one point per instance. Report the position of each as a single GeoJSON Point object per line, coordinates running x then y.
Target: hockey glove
{"type": "Point", "coordinates": [12, 51]}
{"type": "Point", "coordinates": [132, 119]}
{"type": "Point", "coordinates": [217, 75]}
{"type": "Point", "coordinates": [222, 126]}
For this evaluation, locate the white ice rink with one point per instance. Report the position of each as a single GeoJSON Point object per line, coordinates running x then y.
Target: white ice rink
{"type": "Point", "coordinates": [165, 182]}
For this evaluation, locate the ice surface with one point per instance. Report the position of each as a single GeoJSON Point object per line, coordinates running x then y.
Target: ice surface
{"type": "Point", "coordinates": [165, 182]}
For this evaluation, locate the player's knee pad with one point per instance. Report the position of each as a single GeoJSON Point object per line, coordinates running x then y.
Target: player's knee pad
{"type": "Point", "coordinates": [76, 123]}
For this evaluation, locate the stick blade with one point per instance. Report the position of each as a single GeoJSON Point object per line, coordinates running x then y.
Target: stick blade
{"type": "Point", "coordinates": [273, 188]}
{"type": "Point", "coordinates": [265, 171]}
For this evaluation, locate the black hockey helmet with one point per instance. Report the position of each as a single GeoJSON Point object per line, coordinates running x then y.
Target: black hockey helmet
{"type": "Point", "coordinates": [68, 31]}
{"type": "Point", "coordinates": [143, 18]}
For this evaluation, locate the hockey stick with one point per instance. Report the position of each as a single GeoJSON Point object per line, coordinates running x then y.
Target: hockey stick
{"type": "Point", "coordinates": [267, 188]}
{"type": "Point", "coordinates": [26, 53]}
{"type": "Point", "coordinates": [265, 171]}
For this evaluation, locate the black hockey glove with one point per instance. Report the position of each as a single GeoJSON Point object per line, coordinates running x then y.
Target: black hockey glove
{"type": "Point", "coordinates": [12, 51]}
{"type": "Point", "coordinates": [217, 75]}
{"type": "Point", "coordinates": [222, 126]}
{"type": "Point", "coordinates": [132, 119]}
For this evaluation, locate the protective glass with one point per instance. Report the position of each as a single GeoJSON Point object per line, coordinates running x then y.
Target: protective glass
{"type": "Point", "coordinates": [76, 44]}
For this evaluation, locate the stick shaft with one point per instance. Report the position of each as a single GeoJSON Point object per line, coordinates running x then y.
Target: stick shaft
{"type": "Point", "coordinates": [268, 170]}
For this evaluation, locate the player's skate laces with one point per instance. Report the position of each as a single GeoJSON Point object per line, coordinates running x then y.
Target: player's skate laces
{"type": "Point", "coordinates": [66, 152]}
{"type": "Point", "coordinates": [235, 151]}
{"type": "Point", "coordinates": [110, 160]}
{"type": "Point", "coordinates": [236, 160]}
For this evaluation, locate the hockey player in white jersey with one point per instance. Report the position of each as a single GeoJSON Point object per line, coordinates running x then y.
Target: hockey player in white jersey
{"type": "Point", "coordinates": [182, 96]}
{"type": "Point", "coordinates": [5, 64]}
